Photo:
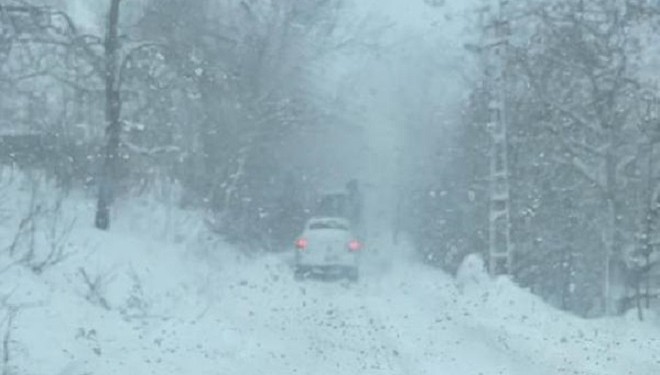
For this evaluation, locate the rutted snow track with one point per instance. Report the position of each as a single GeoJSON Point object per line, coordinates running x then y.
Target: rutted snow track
{"type": "Point", "coordinates": [386, 324]}
{"type": "Point", "coordinates": [323, 328]}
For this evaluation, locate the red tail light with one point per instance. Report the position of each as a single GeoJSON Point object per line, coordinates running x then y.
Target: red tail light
{"type": "Point", "coordinates": [354, 245]}
{"type": "Point", "coordinates": [301, 243]}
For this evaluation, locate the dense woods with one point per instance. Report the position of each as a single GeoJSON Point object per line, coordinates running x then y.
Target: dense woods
{"type": "Point", "coordinates": [582, 101]}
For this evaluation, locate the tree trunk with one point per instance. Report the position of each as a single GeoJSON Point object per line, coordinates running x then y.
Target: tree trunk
{"type": "Point", "coordinates": [647, 281]}
{"type": "Point", "coordinates": [112, 115]}
{"type": "Point", "coordinates": [612, 236]}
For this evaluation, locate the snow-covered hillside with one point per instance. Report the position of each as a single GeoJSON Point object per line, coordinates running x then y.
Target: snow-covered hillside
{"type": "Point", "coordinates": [137, 300]}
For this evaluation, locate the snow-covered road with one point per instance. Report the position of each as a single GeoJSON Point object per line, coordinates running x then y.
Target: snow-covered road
{"type": "Point", "coordinates": [400, 319]}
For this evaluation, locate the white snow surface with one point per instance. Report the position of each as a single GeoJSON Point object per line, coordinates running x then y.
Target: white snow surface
{"type": "Point", "coordinates": [182, 302]}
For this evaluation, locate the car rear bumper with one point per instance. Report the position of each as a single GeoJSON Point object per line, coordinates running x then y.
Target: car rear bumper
{"type": "Point", "coordinates": [325, 268]}
{"type": "Point", "coordinates": [324, 260]}
{"type": "Point", "coordinates": [326, 272]}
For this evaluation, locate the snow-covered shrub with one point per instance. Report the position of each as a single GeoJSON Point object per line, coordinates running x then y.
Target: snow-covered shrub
{"type": "Point", "coordinates": [472, 271]}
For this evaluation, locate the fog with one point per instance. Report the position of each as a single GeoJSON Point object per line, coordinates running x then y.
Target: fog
{"type": "Point", "coordinates": [329, 186]}
{"type": "Point", "coordinates": [396, 122]}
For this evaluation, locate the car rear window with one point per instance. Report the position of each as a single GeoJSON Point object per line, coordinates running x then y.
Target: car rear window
{"type": "Point", "coordinates": [328, 225]}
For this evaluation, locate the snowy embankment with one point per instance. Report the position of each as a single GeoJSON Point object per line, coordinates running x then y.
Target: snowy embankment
{"type": "Point", "coordinates": [157, 296]}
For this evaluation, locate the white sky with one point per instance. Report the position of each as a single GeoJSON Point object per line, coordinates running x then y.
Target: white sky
{"type": "Point", "coordinates": [416, 15]}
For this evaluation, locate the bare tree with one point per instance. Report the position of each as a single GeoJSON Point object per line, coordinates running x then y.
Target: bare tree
{"type": "Point", "coordinates": [71, 59]}
{"type": "Point", "coordinates": [95, 288]}
{"type": "Point", "coordinates": [112, 118]}
{"type": "Point", "coordinates": [41, 238]}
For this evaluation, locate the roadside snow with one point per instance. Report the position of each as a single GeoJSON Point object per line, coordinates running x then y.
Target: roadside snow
{"type": "Point", "coordinates": [179, 302]}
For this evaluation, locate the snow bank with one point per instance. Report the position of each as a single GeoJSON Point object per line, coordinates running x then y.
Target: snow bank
{"type": "Point", "coordinates": [524, 325]}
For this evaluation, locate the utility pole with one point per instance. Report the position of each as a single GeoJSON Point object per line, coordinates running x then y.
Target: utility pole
{"type": "Point", "coordinates": [495, 49]}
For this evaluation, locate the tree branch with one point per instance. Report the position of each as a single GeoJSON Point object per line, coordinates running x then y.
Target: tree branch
{"type": "Point", "coordinates": [129, 55]}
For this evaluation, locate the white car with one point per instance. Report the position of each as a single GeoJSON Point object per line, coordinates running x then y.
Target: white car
{"type": "Point", "coordinates": [327, 246]}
